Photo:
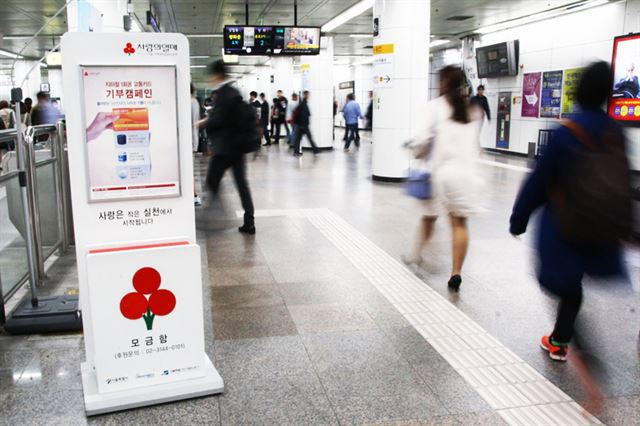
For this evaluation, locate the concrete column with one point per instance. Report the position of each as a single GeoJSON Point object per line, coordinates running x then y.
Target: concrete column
{"type": "Point", "coordinates": [401, 72]}
{"type": "Point", "coordinates": [282, 72]}
{"type": "Point", "coordinates": [96, 15]}
{"type": "Point", "coordinates": [317, 78]}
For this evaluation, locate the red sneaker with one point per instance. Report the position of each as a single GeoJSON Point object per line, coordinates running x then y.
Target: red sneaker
{"type": "Point", "coordinates": [556, 352]}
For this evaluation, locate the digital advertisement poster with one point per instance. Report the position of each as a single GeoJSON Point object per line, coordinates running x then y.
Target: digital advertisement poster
{"type": "Point", "coordinates": [131, 132]}
{"type": "Point", "coordinates": [531, 84]}
{"type": "Point", "coordinates": [551, 97]}
{"type": "Point", "coordinates": [624, 104]}
{"type": "Point", "coordinates": [297, 39]}
{"type": "Point", "coordinates": [570, 105]}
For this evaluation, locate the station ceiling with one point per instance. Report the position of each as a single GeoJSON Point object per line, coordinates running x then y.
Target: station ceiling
{"type": "Point", "coordinates": [22, 18]}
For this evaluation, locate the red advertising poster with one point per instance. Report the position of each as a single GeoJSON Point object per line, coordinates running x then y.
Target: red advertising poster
{"type": "Point", "coordinates": [531, 94]}
{"type": "Point", "coordinates": [624, 104]}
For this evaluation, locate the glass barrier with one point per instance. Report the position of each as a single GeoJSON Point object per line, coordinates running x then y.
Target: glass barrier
{"type": "Point", "coordinates": [13, 254]}
{"type": "Point", "coordinates": [48, 207]}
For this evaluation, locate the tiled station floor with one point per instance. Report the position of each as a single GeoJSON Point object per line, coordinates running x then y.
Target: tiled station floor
{"type": "Point", "coordinates": [315, 321]}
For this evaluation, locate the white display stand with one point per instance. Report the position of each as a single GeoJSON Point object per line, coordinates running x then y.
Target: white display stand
{"type": "Point", "coordinates": [131, 172]}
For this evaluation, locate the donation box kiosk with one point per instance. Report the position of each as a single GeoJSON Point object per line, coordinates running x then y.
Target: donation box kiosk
{"type": "Point", "coordinates": [129, 141]}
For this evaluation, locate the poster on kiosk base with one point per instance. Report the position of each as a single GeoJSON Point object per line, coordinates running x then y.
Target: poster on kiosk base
{"type": "Point", "coordinates": [128, 124]}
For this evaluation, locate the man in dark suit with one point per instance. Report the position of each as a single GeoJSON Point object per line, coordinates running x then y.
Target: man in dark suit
{"type": "Point", "coordinates": [264, 118]}
{"type": "Point", "coordinates": [222, 127]}
{"type": "Point", "coordinates": [302, 119]}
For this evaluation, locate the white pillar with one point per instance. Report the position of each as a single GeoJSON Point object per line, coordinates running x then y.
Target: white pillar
{"type": "Point", "coordinates": [31, 84]}
{"type": "Point", "coordinates": [96, 15]}
{"type": "Point", "coordinates": [264, 81]}
{"type": "Point", "coordinates": [318, 80]}
{"type": "Point", "coordinates": [282, 72]}
{"type": "Point", "coordinates": [400, 98]}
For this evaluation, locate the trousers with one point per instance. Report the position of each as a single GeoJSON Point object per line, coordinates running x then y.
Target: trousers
{"type": "Point", "coordinates": [218, 166]}
{"type": "Point", "coordinates": [568, 309]}
{"type": "Point", "coordinates": [278, 125]}
{"type": "Point", "coordinates": [352, 135]}
{"type": "Point", "coordinates": [301, 131]}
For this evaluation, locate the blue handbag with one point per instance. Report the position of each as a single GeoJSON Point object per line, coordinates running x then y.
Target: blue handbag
{"type": "Point", "coordinates": [419, 185]}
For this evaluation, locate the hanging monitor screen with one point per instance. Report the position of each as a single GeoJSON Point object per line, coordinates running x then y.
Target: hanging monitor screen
{"type": "Point", "coordinates": [266, 40]}
{"type": "Point", "coordinates": [248, 40]}
{"type": "Point", "coordinates": [624, 104]}
{"type": "Point", "coordinates": [297, 40]}
{"type": "Point", "coordinates": [498, 60]}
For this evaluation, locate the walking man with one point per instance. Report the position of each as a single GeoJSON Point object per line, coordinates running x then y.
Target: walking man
{"type": "Point", "coordinates": [225, 130]}
{"type": "Point", "coordinates": [302, 120]}
{"type": "Point", "coordinates": [264, 119]}
{"type": "Point", "coordinates": [352, 113]}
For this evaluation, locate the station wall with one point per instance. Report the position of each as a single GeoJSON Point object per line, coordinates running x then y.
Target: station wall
{"type": "Point", "coordinates": [565, 42]}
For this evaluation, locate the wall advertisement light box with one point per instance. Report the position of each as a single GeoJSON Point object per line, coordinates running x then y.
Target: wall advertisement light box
{"type": "Point", "coordinates": [131, 173]}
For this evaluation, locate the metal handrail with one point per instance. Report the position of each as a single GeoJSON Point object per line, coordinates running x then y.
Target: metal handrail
{"type": "Point", "coordinates": [8, 135]}
{"type": "Point", "coordinates": [41, 129]}
{"type": "Point", "coordinates": [8, 175]}
{"type": "Point", "coordinates": [26, 173]}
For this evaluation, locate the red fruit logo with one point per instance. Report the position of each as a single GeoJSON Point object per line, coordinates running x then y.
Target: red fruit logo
{"type": "Point", "coordinates": [129, 49]}
{"type": "Point", "coordinates": [148, 300]}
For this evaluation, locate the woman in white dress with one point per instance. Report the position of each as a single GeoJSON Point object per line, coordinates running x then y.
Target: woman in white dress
{"type": "Point", "coordinates": [450, 146]}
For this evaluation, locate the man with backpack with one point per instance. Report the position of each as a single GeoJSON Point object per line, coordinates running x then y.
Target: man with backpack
{"type": "Point", "coordinates": [281, 114]}
{"type": "Point", "coordinates": [232, 127]}
{"type": "Point", "coordinates": [583, 184]}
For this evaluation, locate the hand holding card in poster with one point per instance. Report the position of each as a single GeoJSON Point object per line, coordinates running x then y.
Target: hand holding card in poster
{"type": "Point", "coordinates": [132, 142]}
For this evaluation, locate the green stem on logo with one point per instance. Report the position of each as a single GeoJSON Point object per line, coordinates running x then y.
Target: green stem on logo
{"type": "Point", "coordinates": [148, 319]}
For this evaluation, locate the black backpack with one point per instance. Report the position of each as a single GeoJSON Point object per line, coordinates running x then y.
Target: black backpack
{"type": "Point", "coordinates": [246, 127]}
{"type": "Point", "coordinates": [592, 205]}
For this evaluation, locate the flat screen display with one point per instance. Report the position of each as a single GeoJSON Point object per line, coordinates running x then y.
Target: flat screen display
{"type": "Point", "coordinates": [248, 40]}
{"type": "Point", "coordinates": [301, 41]}
{"type": "Point", "coordinates": [498, 60]}
{"type": "Point", "coordinates": [624, 104]}
{"type": "Point", "coordinates": [269, 40]}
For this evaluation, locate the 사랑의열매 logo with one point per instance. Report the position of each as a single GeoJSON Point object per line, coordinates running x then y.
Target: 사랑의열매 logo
{"type": "Point", "coordinates": [129, 49]}
{"type": "Point", "coordinates": [149, 299]}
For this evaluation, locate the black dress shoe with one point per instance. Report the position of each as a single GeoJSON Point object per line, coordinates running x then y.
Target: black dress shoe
{"type": "Point", "coordinates": [454, 282]}
{"type": "Point", "coordinates": [245, 229]}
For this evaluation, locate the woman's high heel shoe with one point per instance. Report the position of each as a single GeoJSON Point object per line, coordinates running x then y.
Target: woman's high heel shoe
{"type": "Point", "coordinates": [454, 282]}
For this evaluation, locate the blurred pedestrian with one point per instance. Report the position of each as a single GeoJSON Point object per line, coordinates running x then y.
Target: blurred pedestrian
{"type": "Point", "coordinates": [450, 144]}
{"type": "Point", "coordinates": [291, 109]}
{"type": "Point", "coordinates": [264, 119]}
{"type": "Point", "coordinates": [44, 112]}
{"type": "Point", "coordinates": [195, 136]}
{"type": "Point", "coordinates": [481, 100]}
{"type": "Point", "coordinates": [352, 114]}
{"type": "Point", "coordinates": [281, 114]}
{"type": "Point", "coordinates": [302, 118]}
{"type": "Point", "coordinates": [583, 185]}
{"type": "Point", "coordinates": [231, 132]}
{"type": "Point", "coordinates": [7, 115]}
{"type": "Point", "coordinates": [369, 113]}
